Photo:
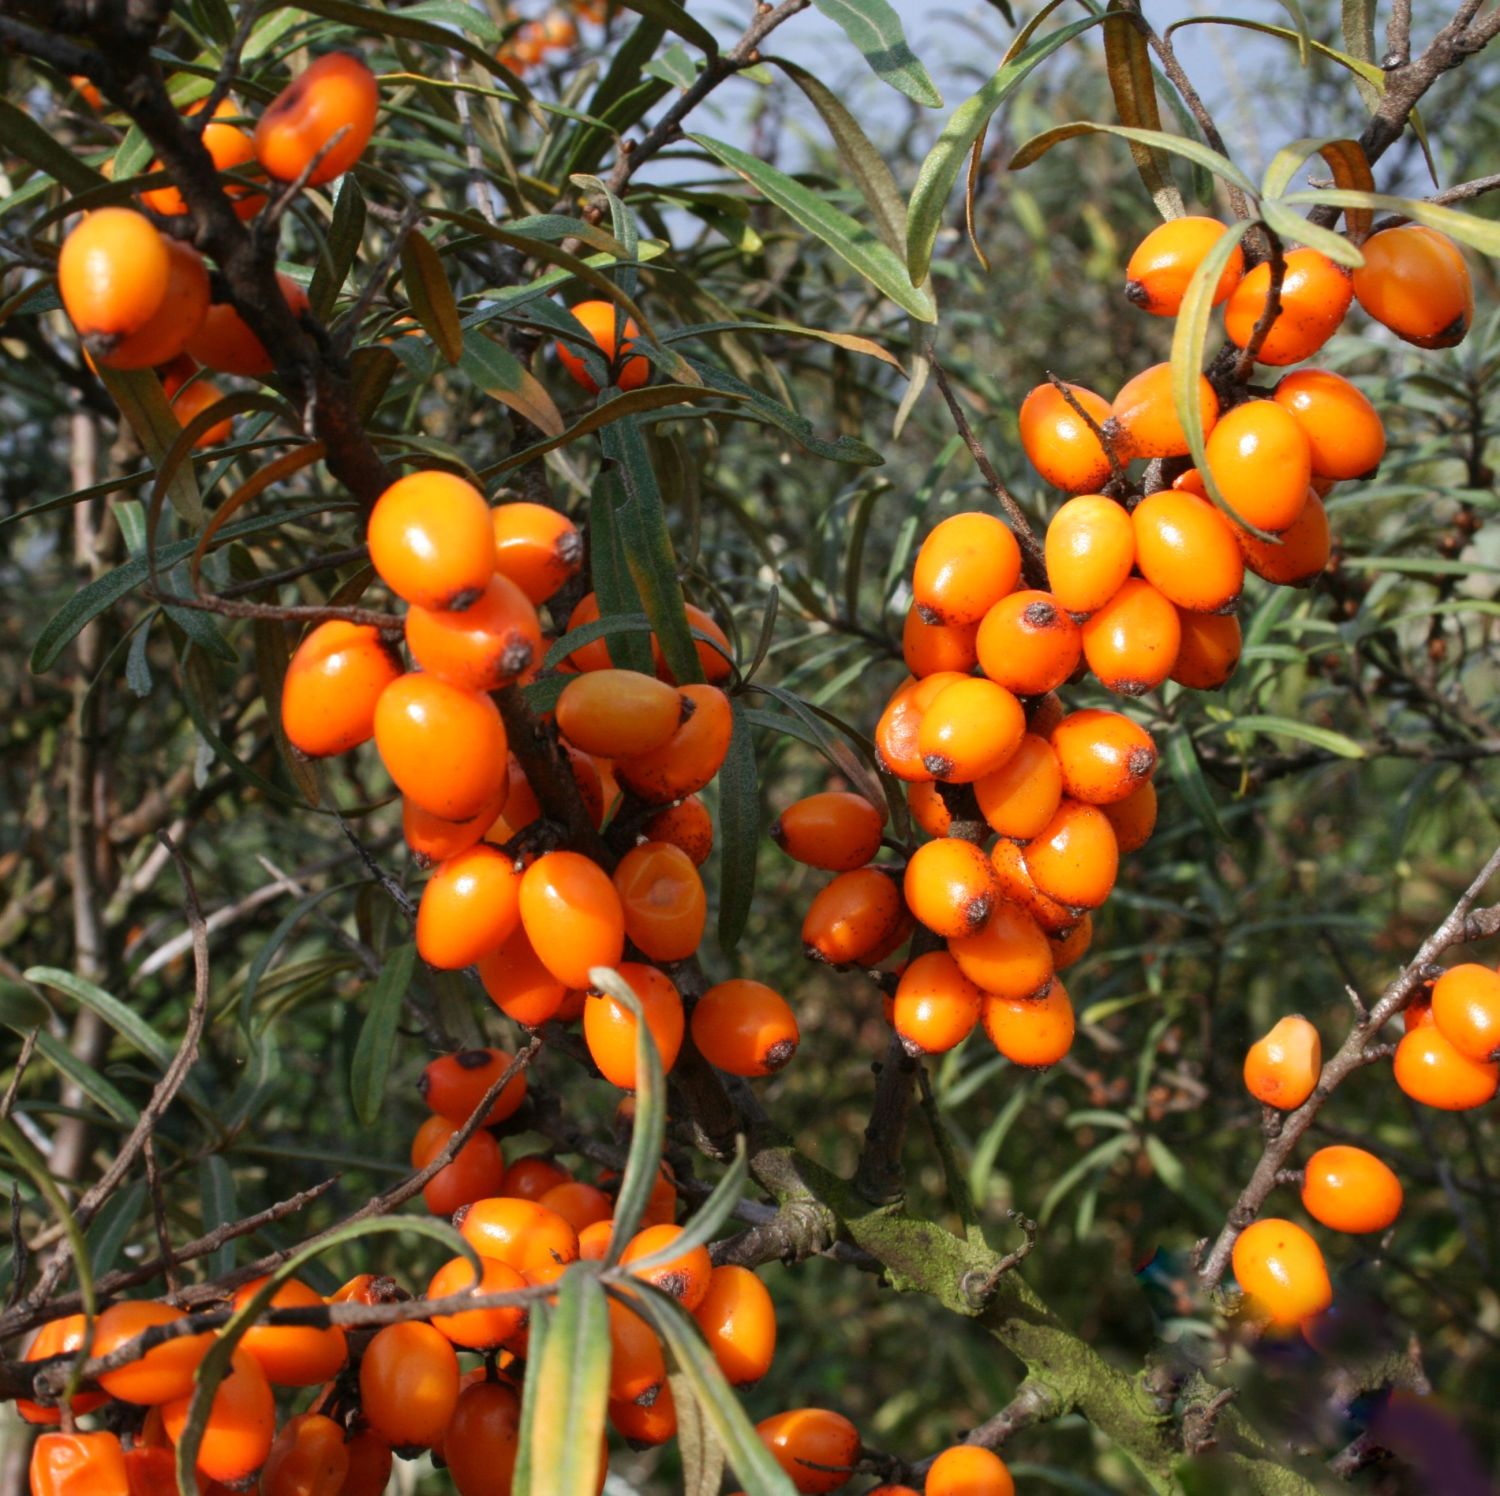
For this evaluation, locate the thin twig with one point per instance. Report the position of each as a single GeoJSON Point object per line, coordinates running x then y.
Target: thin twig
{"type": "Point", "coordinates": [1244, 365]}
{"type": "Point", "coordinates": [159, 1214]}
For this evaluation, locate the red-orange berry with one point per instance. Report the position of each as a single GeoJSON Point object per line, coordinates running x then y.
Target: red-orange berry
{"type": "Point", "coordinates": [936, 1005]}
{"type": "Point", "coordinates": [1282, 1272]}
{"type": "Point", "coordinates": [1262, 462]}
{"type": "Point", "coordinates": [621, 713]}
{"type": "Point", "coordinates": [1431, 1070]}
{"type": "Point", "coordinates": [1186, 549]}
{"type": "Point", "coordinates": [325, 115]}
{"type": "Point", "coordinates": [930, 647]}
{"type": "Point", "coordinates": [1283, 1065]}
{"type": "Point", "coordinates": [1133, 818]}
{"type": "Point", "coordinates": [292, 1355]}
{"type": "Point", "coordinates": [431, 540]}
{"type": "Point", "coordinates": [481, 647]}
{"type": "Point", "coordinates": [165, 1372]}
{"type": "Point", "coordinates": [520, 1233]}
{"type": "Point", "coordinates": [687, 825]}
{"type": "Point", "coordinates": [408, 1384]}
{"type": "Point", "coordinates": [1209, 650]}
{"type": "Point", "coordinates": [850, 919]}
{"type": "Point", "coordinates": [950, 886]}
{"type": "Point", "coordinates": [609, 1027]}
{"type": "Point", "coordinates": [1315, 295]}
{"type": "Point", "coordinates": [1075, 857]}
{"type": "Point", "coordinates": [967, 1470]}
{"type": "Point", "coordinates": [537, 547]}
{"type": "Point", "coordinates": [113, 273]}
{"type": "Point", "coordinates": [1344, 433]}
{"type": "Point", "coordinates": [241, 1424]}
{"type": "Point", "coordinates": [1131, 641]}
{"type": "Point", "coordinates": [1060, 444]}
{"type": "Point", "coordinates": [573, 916]}
{"type": "Point", "coordinates": [1349, 1189]}
{"type": "Point", "coordinates": [470, 907]}
{"type": "Point", "coordinates": [816, 1448]}
{"type": "Point", "coordinates": [1162, 266]}
{"type": "Point", "coordinates": [1030, 1032]}
{"type": "Point", "coordinates": [1414, 281]}
{"type": "Point", "coordinates": [663, 901]}
{"type": "Point", "coordinates": [690, 758]}
{"type": "Point", "coordinates": [1466, 1009]}
{"type": "Point", "coordinates": [738, 1320]}
{"type": "Point", "coordinates": [835, 830]}
{"type": "Point", "coordinates": [605, 323]}
{"type": "Point", "coordinates": [454, 1084]}
{"type": "Point", "coordinates": [1021, 796]}
{"type": "Point", "coordinates": [970, 729]}
{"type": "Point", "coordinates": [519, 984]}
{"type": "Point", "coordinates": [1028, 643]}
{"type": "Point", "coordinates": [1103, 756]}
{"type": "Point", "coordinates": [683, 1275]}
{"type": "Point", "coordinates": [1090, 549]}
{"type": "Point", "coordinates": [478, 1329]}
{"type": "Point", "coordinates": [1144, 414]}
{"type": "Point", "coordinates": [332, 686]}
{"type": "Point", "coordinates": [744, 1027]}
{"type": "Point", "coordinates": [1008, 956]}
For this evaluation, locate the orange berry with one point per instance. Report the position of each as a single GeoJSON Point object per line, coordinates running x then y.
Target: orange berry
{"type": "Point", "coordinates": [478, 1329]}
{"type": "Point", "coordinates": [1145, 414]}
{"type": "Point", "coordinates": [332, 686]}
{"type": "Point", "coordinates": [1281, 1270]}
{"type": "Point", "coordinates": [454, 1084]}
{"type": "Point", "coordinates": [519, 984]}
{"type": "Point", "coordinates": [968, 1470]}
{"type": "Point", "coordinates": [536, 547]}
{"type": "Point", "coordinates": [1315, 295]}
{"type": "Point", "coordinates": [483, 1439]}
{"type": "Point", "coordinates": [180, 314]}
{"type": "Point", "coordinates": [1432, 1070]}
{"type": "Point", "coordinates": [1027, 1031]}
{"type": "Point", "coordinates": [816, 1448]}
{"type": "Point", "coordinates": [853, 917]}
{"type": "Point", "coordinates": [370, 1462]}
{"type": "Point", "coordinates": [621, 713]}
{"type": "Point", "coordinates": [532, 1176]}
{"type": "Point", "coordinates": [335, 93]}
{"type": "Point", "coordinates": [189, 399]}
{"type": "Point", "coordinates": [595, 654]}
{"type": "Point", "coordinates": [936, 1005]}
{"type": "Point", "coordinates": [151, 1470]}
{"type": "Point", "coordinates": [1017, 885]}
{"type": "Point", "coordinates": [1069, 949]}
{"type": "Point", "coordinates": [58, 1337]}
{"type": "Point", "coordinates": [1133, 818]}
{"type": "Point", "coordinates": [292, 1355]}
{"type": "Point", "coordinates": [79, 1465]}
{"type": "Point", "coordinates": [1157, 277]}
{"type": "Point", "coordinates": [475, 1172]}
{"type": "Point", "coordinates": [609, 1027]}
{"type": "Point", "coordinates": [408, 1384]}
{"type": "Point", "coordinates": [950, 886]}
{"type": "Point", "coordinates": [896, 733]}
{"type": "Point", "coordinates": [1186, 549]}
{"type": "Point", "coordinates": [1344, 433]}
{"type": "Point", "coordinates": [930, 647]}
{"type": "Point", "coordinates": [430, 540]}
{"type": "Point", "coordinates": [683, 1276]}
{"type": "Point", "coordinates": [1021, 796]}
{"type": "Point", "coordinates": [1414, 281]}
{"type": "Point", "coordinates": [1298, 554]}
{"type": "Point", "coordinates": [690, 758]}
{"type": "Point", "coordinates": [113, 274]}
{"type": "Point", "coordinates": [166, 1371]}
{"type": "Point", "coordinates": [1090, 550]}
{"type": "Point", "coordinates": [230, 148]}
{"type": "Point", "coordinates": [1059, 443]}
{"type": "Point", "coordinates": [431, 1137]}
{"type": "Point", "coordinates": [1008, 956]}
{"type": "Point", "coordinates": [716, 660]}
{"type": "Point", "coordinates": [744, 1027]}
{"type": "Point", "coordinates": [522, 806]}
{"type": "Point", "coordinates": [1466, 1009]}
{"type": "Point", "coordinates": [1028, 643]}
{"type": "Point", "coordinates": [637, 1369]}
{"type": "Point", "coordinates": [309, 1458]}
{"type": "Point", "coordinates": [687, 825]}
{"type": "Point", "coordinates": [964, 567]}
{"type": "Point", "coordinates": [1283, 1065]}
{"type": "Point", "coordinates": [1103, 756]}
{"type": "Point", "coordinates": [835, 830]}
{"type": "Point", "coordinates": [1209, 651]}
{"type": "Point", "coordinates": [225, 342]}
{"type": "Point", "coordinates": [522, 1234]}
{"type": "Point", "coordinates": [580, 1205]}
{"type": "Point", "coordinates": [603, 322]}
{"type": "Point", "coordinates": [970, 729]}
{"type": "Point", "coordinates": [484, 646]}
{"type": "Point", "coordinates": [1075, 857]}
{"type": "Point", "coordinates": [663, 899]}
{"type": "Point", "coordinates": [241, 1423]}
{"type": "Point", "coordinates": [470, 907]}
{"type": "Point", "coordinates": [1348, 1189]}
{"type": "Point", "coordinates": [738, 1320]}
{"type": "Point", "coordinates": [573, 916]}
{"type": "Point", "coordinates": [594, 1240]}
{"type": "Point", "coordinates": [1131, 642]}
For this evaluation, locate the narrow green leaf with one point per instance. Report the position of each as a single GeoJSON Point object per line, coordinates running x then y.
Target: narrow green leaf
{"type": "Point", "coordinates": [1287, 727]}
{"type": "Point", "coordinates": [20, 133]}
{"type": "Point", "coordinates": [119, 1016]}
{"type": "Point", "coordinates": [1098, 1158]}
{"type": "Point", "coordinates": [1180, 145]}
{"type": "Point", "coordinates": [430, 295]}
{"type": "Point", "coordinates": [698, 1446]}
{"type": "Point", "coordinates": [708, 1220]}
{"type": "Point", "coordinates": [875, 29]}
{"type": "Point", "coordinates": [345, 234]}
{"type": "Point", "coordinates": [1187, 772]}
{"type": "Point", "coordinates": [276, 939]}
{"type": "Point", "coordinates": [671, 15]}
{"type": "Point", "coordinates": [371, 1065]}
{"type": "Point", "coordinates": [1358, 24]}
{"type": "Point", "coordinates": [139, 395]}
{"type": "Point", "coordinates": [987, 1149]}
{"type": "Point", "coordinates": [675, 66]}
{"type": "Point", "coordinates": [34, 1166]}
{"type": "Point", "coordinates": [856, 770]}
{"type": "Point", "coordinates": [586, 633]}
{"type": "Point", "coordinates": [493, 368]}
{"type": "Point", "coordinates": [739, 832]}
{"type": "Point", "coordinates": [1295, 228]}
{"type": "Point", "coordinates": [217, 1192]}
{"type": "Point", "coordinates": [614, 587]}
{"type": "Point", "coordinates": [88, 1080]}
{"type": "Point", "coordinates": [112, 1227]}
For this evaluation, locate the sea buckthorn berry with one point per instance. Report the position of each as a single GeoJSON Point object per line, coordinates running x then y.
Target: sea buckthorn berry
{"type": "Point", "coordinates": [1103, 755]}
{"type": "Point", "coordinates": [644, 1426]}
{"type": "Point", "coordinates": [431, 541]}
{"type": "Point", "coordinates": [113, 273]}
{"type": "Point", "coordinates": [482, 647]}
{"type": "Point", "coordinates": [1466, 1009]}
{"type": "Point", "coordinates": [968, 1470]}
{"type": "Point", "coordinates": [1131, 642]}
{"type": "Point", "coordinates": [520, 1233]}
{"type": "Point", "coordinates": [1283, 1065]}
{"type": "Point", "coordinates": [690, 758]}
{"type": "Point", "coordinates": [408, 1384]}
{"type": "Point", "coordinates": [936, 1005]}
{"type": "Point", "coordinates": [225, 342]}
{"type": "Point", "coordinates": [180, 314]}
{"type": "Point", "coordinates": [1017, 886]}
{"type": "Point", "coordinates": [580, 1205]}
{"type": "Point", "coordinates": [1075, 857]}
{"type": "Point", "coordinates": [1315, 295]}
{"type": "Point", "coordinates": [572, 915]}
{"type": "Point", "coordinates": [478, 1329]}
{"type": "Point", "coordinates": [595, 654]}
{"type": "Point", "coordinates": [1069, 949]}
{"type": "Point", "coordinates": [896, 733]}
{"type": "Point", "coordinates": [1414, 281]}
{"type": "Point", "coordinates": [189, 398]}
{"type": "Point", "coordinates": [522, 806]}
{"type": "Point", "coordinates": [79, 1465]}
{"type": "Point", "coordinates": [469, 907]}
{"type": "Point", "coordinates": [475, 1172]}
{"type": "Point", "coordinates": [745, 1028]}
{"type": "Point", "coordinates": [971, 728]}
{"type": "Point", "coordinates": [483, 1438]}
{"type": "Point", "coordinates": [165, 1372]}
{"type": "Point", "coordinates": [241, 1423]}
{"type": "Point", "coordinates": [1186, 549]}
{"type": "Point", "coordinates": [1349, 1189]}
{"type": "Point", "coordinates": [370, 1462]}
{"type": "Point", "coordinates": [594, 1240]}
{"type": "Point", "coordinates": [715, 659]}
{"type": "Point", "coordinates": [1021, 796]}
{"type": "Point", "coordinates": [852, 917]}
{"type": "Point", "coordinates": [1028, 643]}
{"type": "Point", "coordinates": [532, 1176]}
{"type": "Point", "coordinates": [1133, 818]}
{"type": "Point", "coordinates": [684, 1276]}
{"type": "Point", "coordinates": [1417, 1014]}
{"type": "Point", "coordinates": [604, 323]}
{"type": "Point", "coordinates": [930, 647]}
{"type": "Point", "coordinates": [1209, 651]}
{"type": "Point", "coordinates": [430, 1138]}
{"type": "Point", "coordinates": [58, 1337]}
{"type": "Point", "coordinates": [637, 1369]}
{"type": "Point", "coordinates": [621, 713]}
{"type": "Point", "coordinates": [687, 825]}
{"type": "Point", "coordinates": [454, 1084]}
{"type": "Point", "coordinates": [1060, 444]}
{"type": "Point", "coordinates": [335, 93]}
{"type": "Point", "coordinates": [1030, 1032]}
{"type": "Point", "coordinates": [609, 1027]}
{"type": "Point", "coordinates": [1344, 434]}
{"type": "Point", "coordinates": [1090, 549]}
{"type": "Point", "coordinates": [1296, 556]}
{"type": "Point", "coordinates": [230, 147]}
{"type": "Point", "coordinates": [292, 1355]}
{"type": "Point", "coordinates": [1281, 1270]}
{"type": "Point", "coordinates": [1009, 956]}
{"type": "Point", "coordinates": [332, 685]}
{"type": "Point", "coordinates": [928, 808]}
{"type": "Point", "coordinates": [663, 899]}
{"type": "Point", "coordinates": [519, 984]}
{"type": "Point", "coordinates": [738, 1320]}
{"type": "Point", "coordinates": [536, 547]}
{"type": "Point", "coordinates": [309, 1458]}
{"type": "Point", "coordinates": [964, 567]}
{"type": "Point", "coordinates": [815, 1447]}
{"type": "Point", "coordinates": [1432, 1070]}
{"type": "Point", "coordinates": [1145, 415]}
{"type": "Point", "coordinates": [950, 886]}
{"type": "Point", "coordinates": [370, 1288]}
{"type": "Point", "coordinates": [151, 1470]}
{"type": "Point", "coordinates": [1160, 270]}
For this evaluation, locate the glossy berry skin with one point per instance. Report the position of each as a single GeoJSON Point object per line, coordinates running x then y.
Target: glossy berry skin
{"type": "Point", "coordinates": [241, 1422]}
{"type": "Point", "coordinates": [683, 1275]}
{"type": "Point", "coordinates": [1028, 643]}
{"type": "Point", "coordinates": [445, 748]}
{"type": "Point", "coordinates": [517, 982]}
{"type": "Point", "coordinates": [1131, 642]}
{"type": "Point", "coordinates": [897, 732]}
{"type": "Point", "coordinates": [964, 567]}
{"type": "Point", "coordinates": [609, 1028]}
{"type": "Point", "coordinates": [1349, 1189]}
{"type": "Point", "coordinates": [78, 1465]}
{"type": "Point", "coordinates": [687, 825]}
{"type": "Point", "coordinates": [663, 899]}
{"type": "Point", "coordinates": [580, 1205]}
{"type": "Point", "coordinates": [1059, 444]}
{"type": "Point", "coordinates": [1344, 433]}
{"type": "Point", "coordinates": [475, 1172]}
{"type": "Point", "coordinates": [936, 1005]}
{"type": "Point", "coordinates": [604, 323]}
{"type": "Point", "coordinates": [835, 830]}
{"type": "Point", "coordinates": [853, 917]}
{"type": "Point", "coordinates": [715, 658]}
{"type": "Point", "coordinates": [520, 1233]}
{"type": "Point", "coordinates": [483, 1439]}
{"type": "Point", "coordinates": [337, 92]}
{"type": "Point", "coordinates": [1414, 281]}
{"type": "Point", "coordinates": [1069, 949]}
{"type": "Point", "coordinates": [484, 646]}
{"type": "Point", "coordinates": [929, 647]}
{"type": "Point", "coordinates": [1145, 414]}
{"type": "Point", "coordinates": [225, 343]}
{"type": "Point", "coordinates": [532, 1176]}
{"type": "Point", "coordinates": [454, 1084]}
{"type": "Point", "coordinates": [1008, 956]}
{"type": "Point", "coordinates": [805, 1440]}
{"type": "Point", "coordinates": [1281, 1270]}
{"type": "Point", "coordinates": [572, 915]}
{"type": "Point", "coordinates": [970, 729]}
{"type": "Point", "coordinates": [645, 1427]}
{"type": "Point", "coordinates": [738, 1319]}
{"type": "Point", "coordinates": [1075, 857]}
{"type": "Point", "coordinates": [618, 713]}
{"type": "Point", "coordinates": [1282, 1067]}
{"type": "Point", "coordinates": [745, 1028]}
{"type": "Point", "coordinates": [332, 685]}
{"type": "Point", "coordinates": [112, 273]}
{"type": "Point", "coordinates": [1466, 1009]}
{"type": "Point", "coordinates": [1103, 756]}
{"type": "Point", "coordinates": [370, 1462]}
{"type": "Point", "coordinates": [1302, 552]}
{"type": "Point", "coordinates": [967, 1470]}
{"type": "Point", "coordinates": [1432, 1071]}
{"type": "Point", "coordinates": [431, 540]}
{"type": "Point", "coordinates": [1018, 887]}
{"type": "Point", "coordinates": [165, 1372]}
{"type": "Point", "coordinates": [1089, 550]}
{"type": "Point", "coordinates": [309, 1458]}
{"type": "Point", "coordinates": [637, 1365]}
{"type": "Point", "coordinates": [536, 547]}
{"type": "Point", "coordinates": [1209, 650]}
{"type": "Point", "coordinates": [1021, 796]}
{"type": "Point", "coordinates": [1186, 549]}
{"type": "Point", "coordinates": [1133, 818]}
{"type": "Point", "coordinates": [189, 400]}
{"type": "Point", "coordinates": [408, 1384]}
{"type": "Point", "coordinates": [690, 758]}
{"type": "Point", "coordinates": [1315, 295]}
{"type": "Point", "coordinates": [1262, 462]}
{"type": "Point", "coordinates": [1030, 1033]}
{"type": "Point", "coordinates": [470, 907]}
{"type": "Point", "coordinates": [230, 149]}
{"type": "Point", "coordinates": [292, 1355]}
{"type": "Point", "coordinates": [1161, 268]}
{"type": "Point", "coordinates": [180, 314]}
{"type": "Point", "coordinates": [478, 1329]}
{"type": "Point", "coordinates": [58, 1337]}
{"type": "Point", "coordinates": [950, 886]}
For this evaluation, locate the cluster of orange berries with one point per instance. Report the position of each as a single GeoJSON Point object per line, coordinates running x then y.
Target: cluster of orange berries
{"type": "Point", "coordinates": [557, 31]}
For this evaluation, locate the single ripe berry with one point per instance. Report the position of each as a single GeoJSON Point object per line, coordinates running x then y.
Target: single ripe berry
{"type": "Point", "coordinates": [896, 733]}
{"type": "Point", "coordinates": [604, 322]}
{"type": "Point", "coordinates": [1133, 818]}
{"type": "Point", "coordinates": [738, 1320]}
{"type": "Point", "coordinates": [580, 1205]}
{"type": "Point", "coordinates": [309, 1458]}
{"type": "Point", "coordinates": [112, 273]}
{"type": "Point", "coordinates": [573, 916]}
{"type": "Point", "coordinates": [1466, 1009]}
{"type": "Point", "coordinates": [1186, 549]}
{"type": "Point", "coordinates": [1349, 1189]}
{"type": "Point", "coordinates": [1432, 1070]}
{"type": "Point", "coordinates": [1019, 888]}
{"type": "Point", "coordinates": [930, 647]}
{"type": "Point", "coordinates": [1282, 1272]}
{"type": "Point", "coordinates": [1296, 556]}
{"type": "Point", "coordinates": [967, 1470]}
{"type": "Point", "coordinates": [1414, 281]}
{"type": "Point", "coordinates": [1060, 444]}
{"type": "Point", "coordinates": [478, 1329]}
{"type": "Point", "coordinates": [1283, 1065]}
{"type": "Point", "coordinates": [536, 547]}
{"type": "Point", "coordinates": [1074, 859]}
{"type": "Point", "coordinates": [663, 900]}
{"type": "Point", "coordinates": [408, 1384]}
{"type": "Point", "coordinates": [225, 342]}
{"type": "Point", "coordinates": [332, 685]}
{"type": "Point", "coordinates": [936, 1005]}
{"type": "Point", "coordinates": [454, 1084]}
{"type": "Point", "coordinates": [1090, 550]}
{"type": "Point", "coordinates": [964, 567]}
{"type": "Point", "coordinates": [950, 886]}
{"type": "Point", "coordinates": [58, 1337]}
{"type": "Point", "coordinates": [1069, 949]}
{"type": "Point", "coordinates": [1021, 796]}
{"type": "Point", "coordinates": [687, 825]}
{"type": "Point", "coordinates": [683, 1275]}
{"type": "Point", "coordinates": [835, 830]}
{"type": "Point", "coordinates": [1103, 756]}
{"type": "Point", "coordinates": [75, 1464]}
{"type": "Point", "coordinates": [690, 758]}
{"type": "Point", "coordinates": [165, 1372]}
{"type": "Point", "coordinates": [1131, 642]}
{"type": "Point", "coordinates": [637, 1367]}
{"type": "Point", "coordinates": [531, 1176]}
{"type": "Point", "coordinates": [1028, 643]}
{"type": "Point", "coordinates": [815, 1447]}
{"type": "Point", "coordinates": [1315, 295]}
{"type": "Point", "coordinates": [180, 314]}
{"type": "Point", "coordinates": [858, 917]}
{"type": "Point", "coordinates": [715, 654]}
{"type": "Point", "coordinates": [481, 647]}
{"type": "Point", "coordinates": [1144, 414]}
{"type": "Point", "coordinates": [1160, 270]}
{"type": "Point", "coordinates": [928, 807]}
{"type": "Point", "coordinates": [292, 1355]}
{"type": "Point", "coordinates": [431, 540]}
{"type": "Point", "coordinates": [522, 1234]}
{"type": "Point", "coordinates": [517, 982]}
{"type": "Point", "coordinates": [370, 1462]}
{"type": "Point", "coordinates": [469, 907]}
{"type": "Point", "coordinates": [1008, 955]}
{"type": "Point", "coordinates": [1345, 435]}
{"type": "Point", "coordinates": [241, 1424]}
{"type": "Point", "coordinates": [190, 397]}
{"type": "Point", "coordinates": [970, 729]}
{"type": "Point", "coordinates": [745, 1028]}
{"type": "Point", "coordinates": [619, 713]}
{"type": "Point", "coordinates": [1209, 650]}
{"type": "Point", "coordinates": [1029, 1032]}
{"type": "Point", "coordinates": [476, 1171]}
{"type": "Point", "coordinates": [483, 1439]}
{"type": "Point", "coordinates": [609, 1027]}
{"type": "Point", "coordinates": [1262, 462]}
{"type": "Point", "coordinates": [336, 96]}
